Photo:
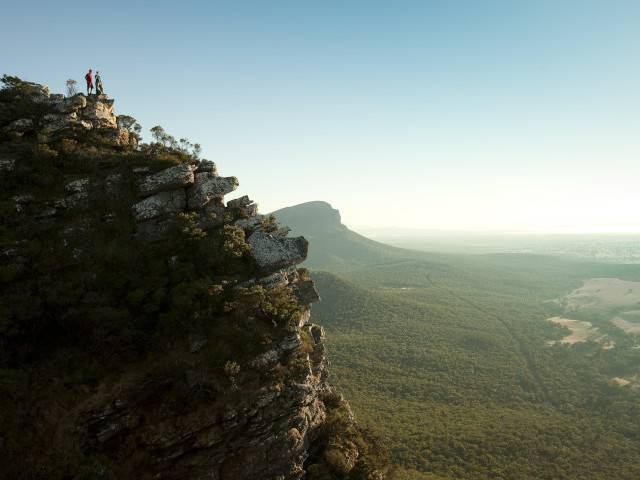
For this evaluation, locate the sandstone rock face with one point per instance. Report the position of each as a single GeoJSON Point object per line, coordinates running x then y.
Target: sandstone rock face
{"type": "Point", "coordinates": [240, 202]}
{"type": "Point", "coordinates": [99, 112]}
{"type": "Point", "coordinates": [169, 179]}
{"type": "Point", "coordinates": [207, 187]}
{"type": "Point", "coordinates": [77, 193]}
{"type": "Point", "coordinates": [271, 252]}
{"type": "Point", "coordinates": [70, 118]}
{"type": "Point", "coordinates": [67, 117]}
{"type": "Point", "coordinates": [53, 123]}
{"type": "Point", "coordinates": [264, 420]}
{"type": "Point", "coordinates": [250, 224]}
{"type": "Point", "coordinates": [265, 435]}
{"type": "Point", "coordinates": [163, 203]}
{"type": "Point", "coordinates": [120, 136]}
{"type": "Point", "coordinates": [245, 205]}
{"type": "Point", "coordinates": [306, 292]}
{"type": "Point", "coordinates": [71, 104]}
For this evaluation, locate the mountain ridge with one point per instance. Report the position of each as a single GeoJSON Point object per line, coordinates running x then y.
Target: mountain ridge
{"type": "Point", "coordinates": [148, 328]}
{"type": "Point", "coordinates": [337, 246]}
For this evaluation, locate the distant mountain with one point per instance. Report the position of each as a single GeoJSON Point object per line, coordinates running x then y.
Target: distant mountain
{"type": "Point", "coordinates": [331, 244]}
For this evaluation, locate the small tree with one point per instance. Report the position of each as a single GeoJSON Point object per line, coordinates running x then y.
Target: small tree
{"type": "Point", "coordinates": [130, 123]}
{"type": "Point", "coordinates": [162, 137]}
{"type": "Point", "coordinates": [10, 81]}
{"type": "Point", "coordinates": [71, 85]}
{"type": "Point", "coordinates": [197, 150]}
{"type": "Point", "coordinates": [182, 145]}
{"type": "Point", "coordinates": [158, 133]}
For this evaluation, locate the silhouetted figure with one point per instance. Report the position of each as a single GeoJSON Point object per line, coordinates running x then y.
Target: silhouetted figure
{"type": "Point", "coordinates": [89, 78]}
{"type": "Point", "coordinates": [99, 88]}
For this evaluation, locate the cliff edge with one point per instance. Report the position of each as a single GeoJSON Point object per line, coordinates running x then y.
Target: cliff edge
{"type": "Point", "coordinates": [148, 328]}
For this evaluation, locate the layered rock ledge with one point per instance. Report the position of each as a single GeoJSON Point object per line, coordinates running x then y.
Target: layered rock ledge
{"type": "Point", "coordinates": [220, 377]}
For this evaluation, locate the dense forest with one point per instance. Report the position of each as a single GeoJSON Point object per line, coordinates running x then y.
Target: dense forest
{"type": "Point", "coordinates": [449, 357]}
{"type": "Point", "coordinates": [452, 365]}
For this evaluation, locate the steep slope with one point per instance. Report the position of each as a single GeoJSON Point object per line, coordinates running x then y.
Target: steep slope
{"type": "Point", "coordinates": [333, 245]}
{"type": "Point", "coordinates": [148, 329]}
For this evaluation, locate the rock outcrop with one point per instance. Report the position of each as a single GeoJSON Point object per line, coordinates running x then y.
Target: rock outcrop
{"type": "Point", "coordinates": [235, 383]}
{"type": "Point", "coordinates": [60, 117]}
{"type": "Point", "coordinates": [272, 252]}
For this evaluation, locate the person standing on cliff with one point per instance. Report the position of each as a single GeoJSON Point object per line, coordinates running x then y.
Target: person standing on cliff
{"type": "Point", "coordinates": [99, 88]}
{"type": "Point", "coordinates": [89, 78]}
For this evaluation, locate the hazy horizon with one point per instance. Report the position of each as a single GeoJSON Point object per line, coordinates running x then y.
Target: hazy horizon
{"type": "Point", "coordinates": [418, 232]}
{"type": "Point", "coordinates": [491, 116]}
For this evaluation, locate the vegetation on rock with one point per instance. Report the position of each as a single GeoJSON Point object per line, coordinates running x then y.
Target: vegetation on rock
{"type": "Point", "coordinates": [133, 348]}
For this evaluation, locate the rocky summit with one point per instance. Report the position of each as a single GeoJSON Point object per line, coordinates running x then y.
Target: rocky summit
{"type": "Point", "coordinates": [148, 328]}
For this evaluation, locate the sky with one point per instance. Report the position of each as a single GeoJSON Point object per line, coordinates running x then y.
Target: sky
{"type": "Point", "coordinates": [458, 115]}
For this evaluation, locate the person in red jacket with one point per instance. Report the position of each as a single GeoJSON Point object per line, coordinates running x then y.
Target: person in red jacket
{"type": "Point", "coordinates": [89, 78]}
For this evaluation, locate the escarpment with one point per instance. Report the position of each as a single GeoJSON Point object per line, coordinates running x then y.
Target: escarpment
{"type": "Point", "coordinates": [148, 328]}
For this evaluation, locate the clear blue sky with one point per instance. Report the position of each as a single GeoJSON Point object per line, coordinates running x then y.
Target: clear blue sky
{"type": "Point", "coordinates": [467, 115]}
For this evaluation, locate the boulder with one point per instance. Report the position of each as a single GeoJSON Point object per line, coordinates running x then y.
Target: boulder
{"type": "Point", "coordinates": [163, 203]}
{"type": "Point", "coordinates": [77, 186]}
{"type": "Point", "coordinates": [77, 193]}
{"type": "Point", "coordinates": [71, 104]}
{"type": "Point", "coordinates": [239, 202]}
{"type": "Point", "coordinates": [119, 136]}
{"type": "Point", "coordinates": [168, 179]}
{"type": "Point", "coordinates": [245, 205]}
{"type": "Point", "coordinates": [306, 292]}
{"type": "Point", "coordinates": [207, 187]}
{"type": "Point", "coordinates": [250, 210]}
{"type": "Point", "coordinates": [278, 279]}
{"type": "Point", "coordinates": [275, 280]}
{"type": "Point", "coordinates": [251, 223]}
{"type": "Point", "coordinates": [54, 123]}
{"type": "Point", "coordinates": [273, 252]}
{"type": "Point", "coordinates": [99, 112]}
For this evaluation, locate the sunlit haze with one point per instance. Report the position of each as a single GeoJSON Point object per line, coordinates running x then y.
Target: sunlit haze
{"type": "Point", "coordinates": [468, 115]}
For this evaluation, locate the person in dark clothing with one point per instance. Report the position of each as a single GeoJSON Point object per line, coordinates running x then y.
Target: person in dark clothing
{"type": "Point", "coordinates": [99, 87]}
{"type": "Point", "coordinates": [89, 78]}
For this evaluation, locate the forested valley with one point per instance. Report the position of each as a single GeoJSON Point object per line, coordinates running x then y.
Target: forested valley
{"type": "Point", "coordinates": [452, 360]}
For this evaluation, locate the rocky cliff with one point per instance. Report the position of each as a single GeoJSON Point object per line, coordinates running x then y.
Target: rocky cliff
{"type": "Point", "coordinates": [148, 328]}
